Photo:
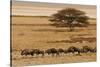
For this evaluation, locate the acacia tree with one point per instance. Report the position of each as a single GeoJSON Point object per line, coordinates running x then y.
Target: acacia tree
{"type": "Point", "coordinates": [70, 17]}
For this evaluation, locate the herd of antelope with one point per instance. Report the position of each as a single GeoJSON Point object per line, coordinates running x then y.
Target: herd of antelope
{"type": "Point", "coordinates": [58, 52]}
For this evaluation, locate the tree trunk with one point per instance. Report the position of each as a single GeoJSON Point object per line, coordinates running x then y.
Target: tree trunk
{"type": "Point", "coordinates": [71, 28]}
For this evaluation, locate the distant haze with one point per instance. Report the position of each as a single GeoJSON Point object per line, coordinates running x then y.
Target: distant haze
{"type": "Point", "coordinates": [47, 9]}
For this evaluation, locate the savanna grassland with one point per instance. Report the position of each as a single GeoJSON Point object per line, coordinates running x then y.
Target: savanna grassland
{"type": "Point", "coordinates": [36, 32]}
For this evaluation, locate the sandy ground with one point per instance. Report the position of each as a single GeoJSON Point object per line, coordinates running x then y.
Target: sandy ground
{"type": "Point", "coordinates": [35, 32]}
{"type": "Point", "coordinates": [47, 59]}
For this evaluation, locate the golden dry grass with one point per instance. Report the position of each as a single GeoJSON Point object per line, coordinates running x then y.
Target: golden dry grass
{"type": "Point", "coordinates": [35, 32]}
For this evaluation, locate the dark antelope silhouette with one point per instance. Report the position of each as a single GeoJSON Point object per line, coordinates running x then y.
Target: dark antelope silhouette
{"type": "Point", "coordinates": [25, 52]}
{"type": "Point", "coordinates": [52, 51]}
{"type": "Point", "coordinates": [32, 52]}
{"type": "Point", "coordinates": [73, 49]}
{"type": "Point", "coordinates": [61, 51]}
{"type": "Point", "coordinates": [87, 49]}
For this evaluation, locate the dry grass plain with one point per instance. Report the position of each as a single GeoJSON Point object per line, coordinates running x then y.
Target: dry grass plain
{"type": "Point", "coordinates": [35, 32]}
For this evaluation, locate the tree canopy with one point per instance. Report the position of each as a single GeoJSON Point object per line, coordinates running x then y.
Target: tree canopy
{"type": "Point", "coordinates": [71, 17]}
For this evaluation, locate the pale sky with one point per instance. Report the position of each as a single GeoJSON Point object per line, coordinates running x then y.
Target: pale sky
{"type": "Point", "coordinates": [47, 9]}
